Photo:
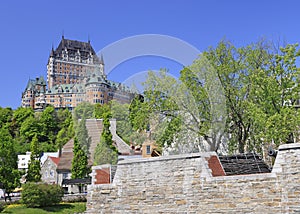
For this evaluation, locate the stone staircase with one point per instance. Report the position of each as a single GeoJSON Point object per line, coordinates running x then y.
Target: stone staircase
{"type": "Point", "coordinates": [94, 128]}
{"type": "Point", "coordinates": [122, 147]}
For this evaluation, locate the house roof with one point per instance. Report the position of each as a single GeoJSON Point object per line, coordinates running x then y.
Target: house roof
{"type": "Point", "coordinates": [55, 160]}
{"type": "Point", "coordinates": [65, 162]}
{"type": "Point", "coordinates": [45, 155]}
{"type": "Point", "coordinates": [242, 164]}
{"type": "Point", "coordinates": [76, 181]}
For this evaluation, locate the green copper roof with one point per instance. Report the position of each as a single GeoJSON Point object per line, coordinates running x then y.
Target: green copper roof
{"type": "Point", "coordinates": [67, 88]}
{"type": "Point", "coordinates": [33, 82]}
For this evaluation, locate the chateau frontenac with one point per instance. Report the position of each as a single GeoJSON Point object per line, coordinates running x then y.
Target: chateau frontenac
{"type": "Point", "coordinates": [75, 74]}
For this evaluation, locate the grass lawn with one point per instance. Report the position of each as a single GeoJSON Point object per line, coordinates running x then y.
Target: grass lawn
{"type": "Point", "coordinates": [63, 208]}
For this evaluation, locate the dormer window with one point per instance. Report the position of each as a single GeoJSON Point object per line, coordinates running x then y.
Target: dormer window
{"type": "Point", "coordinates": [74, 90]}
{"type": "Point", "coordinates": [148, 149]}
{"type": "Point", "coordinates": [59, 90]}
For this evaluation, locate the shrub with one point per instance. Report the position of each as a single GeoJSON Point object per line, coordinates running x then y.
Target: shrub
{"type": "Point", "coordinates": [41, 195]}
{"type": "Point", "coordinates": [2, 206]}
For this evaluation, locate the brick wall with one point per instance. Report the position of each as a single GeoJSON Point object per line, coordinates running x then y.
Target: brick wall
{"type": "Point", "coordinates": [101, 174]}
{"type": "Point", "coordinates": [184, 184]}
{"type": "Point", "coordinates": [215, 166]}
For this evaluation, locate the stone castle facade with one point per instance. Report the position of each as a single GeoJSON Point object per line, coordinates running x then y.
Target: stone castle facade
{"type": "Point", "coordinates": [75, 74]}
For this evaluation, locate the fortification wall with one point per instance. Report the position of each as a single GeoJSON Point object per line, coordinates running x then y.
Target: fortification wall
{"type": "Point", "coordinates": [184, 184]}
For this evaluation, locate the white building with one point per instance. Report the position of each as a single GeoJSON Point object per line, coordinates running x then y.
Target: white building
{"type": "Point", "coordinates": [23, 160]}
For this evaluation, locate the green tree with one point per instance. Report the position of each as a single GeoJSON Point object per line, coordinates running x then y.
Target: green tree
{"type": "Point", "coordinates": [49, 127]}
{"type": "Point", "coordinates": [139, 113]}
{"type": "Point", "coordinates": [82, 136]}
{"type": "Point", "coordinates": [105, 151]}
{"type": "Point", "coordinates": [84, 109]}
{"type": "Point", "coordinates": [80, 161]}
{"type": "Point", "coordinates": [104, 154]}
{"type": "Point", "coordinates": [229, 64]}
{"type": "Point", "coordinates": [260, 86]}
{"type": "Point", "coordinates": [64, 118]}
{"type": "Point", "coordinates": [5, 116]}
{"type": "Point", "coordinates": [34, 166]}
{"type": "Point", "coordinates": [20, 115]}
{"type": "Point", "coordinates": [29, 128]}
{"type": "Point", "coordinates": [172, 113]}
{"type": "Point", "coordinates": [65, 124]}
{"type": "Point", "coordinates": [273, 107]}
{"type": "Point", "coordinates": [62, 138]}
{"type": "Point", "coordinates": [9, 173]}
{"type": "Point", "coordinates": [101, 110]}
{"type": "Point", "coordinates": [120, 112]}
{"type": "Point", "coordinates": [169, 133]}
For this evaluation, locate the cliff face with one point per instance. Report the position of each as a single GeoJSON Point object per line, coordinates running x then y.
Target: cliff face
{"type": "Point", "coordinates": [185, 184]}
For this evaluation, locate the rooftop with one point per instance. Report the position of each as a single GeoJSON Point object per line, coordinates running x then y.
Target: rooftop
{"type": "Point", "coordinates": [74, 47]}
{"type": "Point", "coordinates": [241, 164]}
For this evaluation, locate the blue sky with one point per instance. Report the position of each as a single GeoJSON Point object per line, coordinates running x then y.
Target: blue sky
{"type": "Point", "coordinates": [29, 28]}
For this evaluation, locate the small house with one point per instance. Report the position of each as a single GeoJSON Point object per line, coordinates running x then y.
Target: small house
{"type": "Point", "coordinates": [48, 170]}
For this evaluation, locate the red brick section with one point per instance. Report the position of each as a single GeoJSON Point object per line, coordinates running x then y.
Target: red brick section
{"type": "Point", "coordinates": [102, 176]}
{"type": "Point", "coordinates": [215, 166]}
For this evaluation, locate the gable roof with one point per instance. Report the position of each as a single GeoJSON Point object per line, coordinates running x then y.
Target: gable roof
{"type": "Point", "coordinates": [65, 162]}
{"type": "Point", "coordinates": [241, 164]}
{"type": "Point", "coordinates": [55, 160]}
{"type": "Point", "coordinates": [48, 154]}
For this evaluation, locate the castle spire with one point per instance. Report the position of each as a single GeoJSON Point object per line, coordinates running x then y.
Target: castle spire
{"type": "Point", "coordinates": [52, 51]}
{"type": "Point", "coordinates": [101, 59]}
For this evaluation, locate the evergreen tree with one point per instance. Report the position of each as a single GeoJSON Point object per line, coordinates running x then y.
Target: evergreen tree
{"type": "Point", "coordinates": [62, 138]}
{"type": "Point", "coordinates": [83, 110]}
{"type": "Point", "coordinates": [34, 167]}
{"type": "Point", "coordinates": [80, 161]}
{"type": "Point", "coordinates": [83, 137]}
{"type": "Point", "coordinates": [106, 152]}
{"type": "Point", "coordinates": [104, 155]}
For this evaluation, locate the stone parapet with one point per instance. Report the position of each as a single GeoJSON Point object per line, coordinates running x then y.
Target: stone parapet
{"type": "Point", "coordinates": [184, 184]}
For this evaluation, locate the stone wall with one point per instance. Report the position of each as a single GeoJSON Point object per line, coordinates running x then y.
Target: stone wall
{"type": "Point", "coordinates": [184, 184]}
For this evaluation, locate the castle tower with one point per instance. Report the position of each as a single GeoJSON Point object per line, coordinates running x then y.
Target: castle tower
{"type": "Point", "coordinates": [70, 61]}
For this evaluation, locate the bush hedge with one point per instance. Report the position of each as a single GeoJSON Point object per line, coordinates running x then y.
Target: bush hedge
{"type": "Point", "coordinates": [2, 206]}
{"type": "Point", "coordinates": [41, 194]}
